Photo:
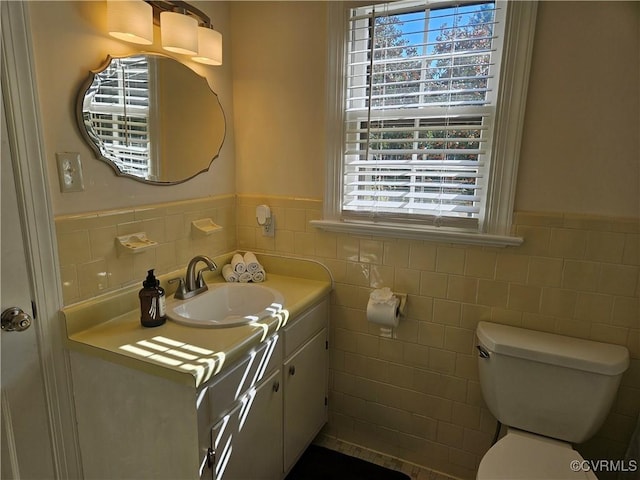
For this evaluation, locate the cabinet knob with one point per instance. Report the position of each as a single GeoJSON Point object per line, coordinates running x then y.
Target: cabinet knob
{"type": "Point", "coordinates": [211, 457]}
{"type": "Point", "coordinates": [292, 370]}
{"type": "Point", "coordinates": [276, 386]}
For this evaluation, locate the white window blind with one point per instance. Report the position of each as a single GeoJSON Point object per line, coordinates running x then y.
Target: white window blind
{"type": "Point", "coordinates": [421, 83]}
{"type": "Point", "coordinates": [117, 111]}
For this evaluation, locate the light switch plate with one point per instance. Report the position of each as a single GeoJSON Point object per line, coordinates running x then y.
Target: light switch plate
{"type": "Point", "coordinates": [69, 172]}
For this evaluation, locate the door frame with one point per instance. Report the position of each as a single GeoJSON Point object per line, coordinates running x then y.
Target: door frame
{"type": "Point", "coordinates": [22, 109]}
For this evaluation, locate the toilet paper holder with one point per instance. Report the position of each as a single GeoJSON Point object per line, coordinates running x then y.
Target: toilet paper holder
{"type": "Point", "coordinates": [385, 295]}
{"type": "Point", "coordinates": [385, 309]}
{"type": "Point", "coordinates": [386, 292]}
{"type": "Point", "coordinates": [403, 301]}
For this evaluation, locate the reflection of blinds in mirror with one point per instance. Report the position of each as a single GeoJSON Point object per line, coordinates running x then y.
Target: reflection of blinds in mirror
{"type": "Point", "coordinates": [117, 108]}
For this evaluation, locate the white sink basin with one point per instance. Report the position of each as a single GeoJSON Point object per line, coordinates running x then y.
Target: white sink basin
{"type": "Point", "coordinates": [226, 305]}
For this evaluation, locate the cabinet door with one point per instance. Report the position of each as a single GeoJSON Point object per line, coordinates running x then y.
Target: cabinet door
{"type": "Point", "coordinates": [222, 437]}
{"type": "Point", "coordinates": [305, 387]}
{"type": "Point", "coordinates": [249, 441]}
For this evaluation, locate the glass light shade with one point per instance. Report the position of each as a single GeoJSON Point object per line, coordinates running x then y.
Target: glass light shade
{"type": "Point", "coordinates": [179, 33]}
{"type": "Point", "coordinates": [209, 47]}
{"type": "Point", "coordinates": [131, 21]}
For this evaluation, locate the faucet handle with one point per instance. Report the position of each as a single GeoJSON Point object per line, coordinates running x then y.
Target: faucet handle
{"type": "Point", "coordinates": [181, 291]}
{"type": "Point", "coordinates": [200, 279]}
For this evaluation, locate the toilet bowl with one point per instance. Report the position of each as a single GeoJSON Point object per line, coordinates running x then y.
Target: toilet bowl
{"type": "Point", "coordinates": [521, 455]}
{"type": "Point", "coordinates": [551, 391]}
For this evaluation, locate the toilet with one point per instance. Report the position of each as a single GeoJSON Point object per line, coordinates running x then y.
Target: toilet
{"type": "Point", "coordinates": [550, 391]}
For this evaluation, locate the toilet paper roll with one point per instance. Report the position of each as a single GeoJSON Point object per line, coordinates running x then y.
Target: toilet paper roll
{"type": "Point", "coordinates": [384, 313]}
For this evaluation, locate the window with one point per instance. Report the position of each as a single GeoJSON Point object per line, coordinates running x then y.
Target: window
{"type": "Point", "coordinates": [425, 117]}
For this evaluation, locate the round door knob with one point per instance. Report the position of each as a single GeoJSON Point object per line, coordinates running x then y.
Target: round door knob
{"type": "Point", "coordinates": [14, 319]}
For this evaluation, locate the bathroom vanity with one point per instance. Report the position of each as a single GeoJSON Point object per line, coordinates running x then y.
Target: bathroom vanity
{"type": "Point", "coordinates": [184, 402]}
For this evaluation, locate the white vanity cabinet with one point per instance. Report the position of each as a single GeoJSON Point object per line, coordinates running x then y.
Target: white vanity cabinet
{"type": "Point", "coordinates": [246, 443]}
{"type": "Point", "coordinates": [240, 418]}
{"type": "Point", "coordinates": [250, 421]}
{"type": "Point", "coordinates": [305, 382]}
{"type": "Point", "coordinates": [272, 424]}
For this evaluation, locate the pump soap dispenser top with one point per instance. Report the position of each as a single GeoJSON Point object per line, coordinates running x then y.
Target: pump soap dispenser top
{"type": "Point", "coordinates": [152, 302]}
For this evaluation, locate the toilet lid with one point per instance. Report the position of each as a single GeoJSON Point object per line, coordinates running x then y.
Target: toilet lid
{"type": "Point", "coordinates": [521, 455]}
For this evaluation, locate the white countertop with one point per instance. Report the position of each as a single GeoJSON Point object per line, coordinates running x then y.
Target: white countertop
{"type": "Point", "coordinates": [109, 326]}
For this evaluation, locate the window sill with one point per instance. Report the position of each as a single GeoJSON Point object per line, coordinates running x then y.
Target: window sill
{"type": "Point", "coordinates": [437, 234]}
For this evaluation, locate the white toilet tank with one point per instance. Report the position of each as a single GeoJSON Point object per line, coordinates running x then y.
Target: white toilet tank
{"type": "Point", "coordinates": [552, 385]}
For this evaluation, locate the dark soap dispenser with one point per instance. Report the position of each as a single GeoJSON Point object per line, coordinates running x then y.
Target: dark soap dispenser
{"type": "Point", "coordinates": [152, 302]}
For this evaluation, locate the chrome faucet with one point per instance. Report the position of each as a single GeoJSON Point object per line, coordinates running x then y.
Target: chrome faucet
{"type": "Point", "coordinates": [194, 284]}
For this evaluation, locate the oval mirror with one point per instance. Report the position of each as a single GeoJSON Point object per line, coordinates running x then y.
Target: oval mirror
{"type": "Point", "coordinates": [151, 118]}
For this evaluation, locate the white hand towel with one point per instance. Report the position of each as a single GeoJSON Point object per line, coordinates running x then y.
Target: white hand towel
{"type": "Point", "coordinates": [251, 262]}
{"type": "Point", "coordinates": [228, 273]}
{"type": "Point", "coordinates": [244, 277]}
{"type": "Point", "coordinates": [258, 276]}
{"type": "Point", "coordinates": [238, 265]}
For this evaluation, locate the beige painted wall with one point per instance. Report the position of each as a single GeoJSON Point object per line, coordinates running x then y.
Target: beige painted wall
{"type": "Point", "coordinates": [69, 40]}
{"type": "Point", "coordinates": [581, 140]}
{"type": "Point", "coordinates": [279, 56]}
{"type": "Point", "coordinates": [581, 144]}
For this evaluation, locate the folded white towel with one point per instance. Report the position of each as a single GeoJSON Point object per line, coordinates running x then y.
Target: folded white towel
{"type": "Point", "coordinates": [228, 273]}
{"type": "Point", "coordinates": [251, 262]}
{"type": "Point", "coordinates": [237, 263]}
{"type": "Point", "coordinates": [244, 277]}
{"type": "Point", "coordinates": [258, 276]}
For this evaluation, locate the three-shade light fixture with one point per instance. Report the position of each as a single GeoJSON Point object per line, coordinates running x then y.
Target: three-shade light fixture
{"type": "Point", "coordinates": [183, 28]}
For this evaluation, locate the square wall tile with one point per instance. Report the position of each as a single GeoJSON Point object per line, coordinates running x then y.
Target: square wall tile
{"type": "Point", "coordinates": [618, 279]}
{"type": "Point", "coordinates": [558, 302]}
{"type": "Point", "coordinates": [396, 253]}
{"type": "Point", "coordinates": [74, 247]}
{"type": "Point", "coordinates": [493, 293]}
{"type": "Point", "coordinates": [371, 251]}
{"type": "Point", "coordinates": [626, 312]}
{"type": "Point", "coordinates": [512, 267]}
{"type": "Point", "coordinates": [422, 256]}
{"type": "Point", "coordinates": [450, 260]}
{"type": "Point", "coordinates": [580, 275]}
{"type": "Point", "coordinates": [462, 288]}
{"type": "Point", "coordinates": [545, 271]}
{"type": "Point", "coordinates": [605, 246]}
{"type": "Point", "coordinates": [524, 298]}
{"type": "Point", "coordinates": [433, 284]}
{"type": "Point", "coordinates": [567, 243]}
{"type": "Point", "coordinates": [594, 307]}
{"type": "Point", "coordinates": [480, 264]}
